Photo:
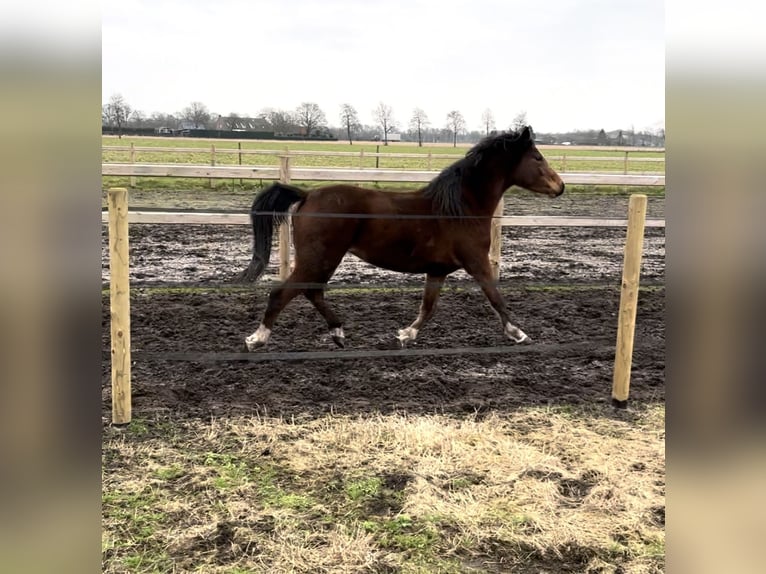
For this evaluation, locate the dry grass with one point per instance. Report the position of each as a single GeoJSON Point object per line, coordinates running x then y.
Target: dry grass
{"type": "Point", "coordinates": [540, 490]}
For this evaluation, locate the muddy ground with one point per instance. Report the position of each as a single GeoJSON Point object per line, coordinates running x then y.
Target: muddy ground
{"type": "Point", "coordinates": [540, 269]}
{"type": "Point", "coordinates": [569, 362]}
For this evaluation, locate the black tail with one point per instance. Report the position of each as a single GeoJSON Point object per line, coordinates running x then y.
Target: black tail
{"type": "Point", "coordinates": [269, 210]}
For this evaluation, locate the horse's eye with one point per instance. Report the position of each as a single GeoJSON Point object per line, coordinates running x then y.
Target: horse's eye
{"type": "Point", "coordinates": [539, 158]}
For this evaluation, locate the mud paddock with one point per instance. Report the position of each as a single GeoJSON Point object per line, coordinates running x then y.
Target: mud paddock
{"type": "Point", "coordinates": [562, 285]}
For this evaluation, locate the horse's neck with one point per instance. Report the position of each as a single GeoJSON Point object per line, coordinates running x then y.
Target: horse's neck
{"type": "Point", "coordinates": [486, 198]}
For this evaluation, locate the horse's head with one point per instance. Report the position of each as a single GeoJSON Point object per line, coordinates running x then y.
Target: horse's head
{"type": "Point", "coordinates": [532, 172]}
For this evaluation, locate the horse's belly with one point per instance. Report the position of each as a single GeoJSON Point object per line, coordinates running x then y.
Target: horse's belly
{"type": "Point", "coordinates": [411, 264]}
{"type": "Point", "coordinates": [391, 262]}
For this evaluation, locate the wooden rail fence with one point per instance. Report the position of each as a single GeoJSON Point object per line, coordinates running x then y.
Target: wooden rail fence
{"type": "Point", "coordinates": [623, 159]}
{"type": "Point", "coordinates": [118, 219]}
{"type": "Point", "coordinates": [285, 173]}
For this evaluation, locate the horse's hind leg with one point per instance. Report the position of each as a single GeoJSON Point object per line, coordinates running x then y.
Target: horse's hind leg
{"type": "Point", "coordinates": [279, 297]}
{"type": "Point", "coordinates": [334, 324]}
{"type": "Point", "coordinates": [427, 308]}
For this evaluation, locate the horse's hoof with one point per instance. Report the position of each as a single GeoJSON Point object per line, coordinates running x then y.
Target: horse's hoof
{"type": "Point", "coordinates": [251, 346]}
{"type": "Point", "coordinates": [407, 335]}
{"type": "Point", "coordinates": [338, 337]}
{"type": "Point", "coordinates": [258, 339]}
{"type": "Point", "coordinates": [516, 335]}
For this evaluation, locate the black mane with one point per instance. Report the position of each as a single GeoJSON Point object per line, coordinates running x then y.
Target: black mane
{"type": "Point", "coordinates": [446, 189]}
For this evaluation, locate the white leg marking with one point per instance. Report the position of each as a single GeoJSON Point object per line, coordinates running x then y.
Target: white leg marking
{"type": "Point", "coordinates": [408, 334]}
{"type": "Point", "coordinates": [337, 332]}
{"type": "Point", "coordinates": [258, 339]}
{"type": "Point", "coordinates": [515, 334]}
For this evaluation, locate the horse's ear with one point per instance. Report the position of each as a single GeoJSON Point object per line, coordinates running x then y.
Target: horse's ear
{"type": "Point", "coordinates": [526, 134]}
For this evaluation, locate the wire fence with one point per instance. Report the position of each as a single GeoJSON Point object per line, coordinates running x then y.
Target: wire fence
{"type": "Point", "coordinates": [592, 346]}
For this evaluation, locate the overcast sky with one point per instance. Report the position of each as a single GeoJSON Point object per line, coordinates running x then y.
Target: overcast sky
{"type": "Point", "coordinates": [573, 64]}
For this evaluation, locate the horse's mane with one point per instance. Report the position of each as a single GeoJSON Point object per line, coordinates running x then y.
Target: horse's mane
{"type": "Point", "coordinates": [445, 190]}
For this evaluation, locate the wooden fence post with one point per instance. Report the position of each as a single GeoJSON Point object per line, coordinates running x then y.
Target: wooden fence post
{"type": "Point", "coordinates": [239, 147]}
{"type": "Point", "coordinates": [634, 242]}
{"type": "Point", "coordinates": [361, 159]}
{"type": "Point", "coordinates": [119, 295]}
{"type": "Point", "coordinates": [212, 163]}
{"type": "Point", "coordinates": [496, 240]}
{"type": "Point", "coordinates": [284, 229]}
{"type": "Point", "coordinates": [132, 160]}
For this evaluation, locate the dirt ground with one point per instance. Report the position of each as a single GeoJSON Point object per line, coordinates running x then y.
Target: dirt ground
{"type": "Point", "coordinates": [560, 322]}
{"type": "Point", "coordinates": [540, 267]}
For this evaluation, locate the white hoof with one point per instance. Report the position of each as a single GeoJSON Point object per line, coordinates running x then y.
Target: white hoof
{"type": "Point", "coordinates": [258, 339]}
{"type": "Point", "coordinates": [515, 334]}
{"type": "Point", "coordinates": [338, 337]}
{"type": "Point", "coordinates": [406, 335]}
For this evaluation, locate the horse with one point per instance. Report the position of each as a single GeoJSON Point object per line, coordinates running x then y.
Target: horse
{"type": "Point", "coordinates": [435, 230]}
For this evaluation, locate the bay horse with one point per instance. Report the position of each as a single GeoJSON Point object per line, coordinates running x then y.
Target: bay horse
{"type": "Point", "coordinates": [436, 230]}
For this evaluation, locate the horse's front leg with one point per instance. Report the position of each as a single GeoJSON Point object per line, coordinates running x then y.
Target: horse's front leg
{"type": "Point", "coordinates": [427, 308]}
{"type": "Point", "coordinates": [482, 273]}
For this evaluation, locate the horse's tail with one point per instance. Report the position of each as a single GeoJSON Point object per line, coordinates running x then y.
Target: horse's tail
{"type": "Point", "coordinates": [269, 210]}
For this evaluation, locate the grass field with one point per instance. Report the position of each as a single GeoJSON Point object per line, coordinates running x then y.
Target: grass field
{"type": "Point", "coordinates": [395, 493]}
{"type": "Point", "coordinates": [576, 160]}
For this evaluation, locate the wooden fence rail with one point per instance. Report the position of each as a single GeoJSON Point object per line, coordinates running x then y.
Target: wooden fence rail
{"type": "Point", "coordinates": [342, 174]}
{"type": "Point", "coordinates": [285, 173]}
{"type": "Point", "coordinates": [622, 161]}
{"type": "Point", "coordinates": [331, 153]}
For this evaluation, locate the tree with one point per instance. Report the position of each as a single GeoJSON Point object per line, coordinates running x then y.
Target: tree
{"type": "Point", "coordinates": [385, 116]}
{"type": "Point", "coordinates": [138, 118]}
{"type": "Point", "coordinates": [116, 113]}
{"type": "Point", "coordinates": [349, 120]}
{"type": "Point", "coordinates": [196, 114]}
{"type": "Point", "coordinates": [520, 121]}
{"type": "Point", "coordinates": [309, 116]}
{"type": "Point", "coordinates": [160, 120]}
{"type": "Point", "coordinates": [418, 123]}
{"type": "Point", "coordinates": [282, 122]}
{"type": "Point", "coordinates": [456, 125]}
{"type": "Point", "coordinates": [487, 121]}
{"type": "Point", "coordinates": [602, 138]}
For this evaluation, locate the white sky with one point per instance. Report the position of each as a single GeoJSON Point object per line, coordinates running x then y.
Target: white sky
{"type": "Point", "coordinates": [575, 64]}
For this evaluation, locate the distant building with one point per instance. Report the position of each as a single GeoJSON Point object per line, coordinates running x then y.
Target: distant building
{"type": "Point", "coordinates": [238, 124]}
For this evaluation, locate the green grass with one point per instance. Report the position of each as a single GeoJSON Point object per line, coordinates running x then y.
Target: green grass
{"type": "Point", "coordinates": [577, 160]}
{"type": "Point", "coordinates": [184, 495]}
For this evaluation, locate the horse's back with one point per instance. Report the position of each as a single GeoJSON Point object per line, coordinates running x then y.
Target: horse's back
{"type": "Point", "coordinates": [344, 199]}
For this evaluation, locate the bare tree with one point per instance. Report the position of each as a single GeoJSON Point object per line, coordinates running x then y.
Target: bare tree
{"type": "Point", "coordinates": [282, 122]}
{"type": "Point", "coordinates": [385, 116]}
{"type": "Point", "coordinates": [418, 123]}
{"type": "Point", "coordinates": [116, 113]}
{"type": "Point", "coordinates": [309, 116]}
{"type": "Point", "coordinates": [196, 114]}
{"type": "Point", "coordinates": [349, 120]}
{"type": "Point", "coordinates": [487, 121]}
{"type": "Point", "coordinates": [456, 125]}
{"type": "Point", "coordinates": [520, 121]}
{"type": "Point", "coordinates": [160, 120]}
{"type": "Point", "coordinates": [137, 118]}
